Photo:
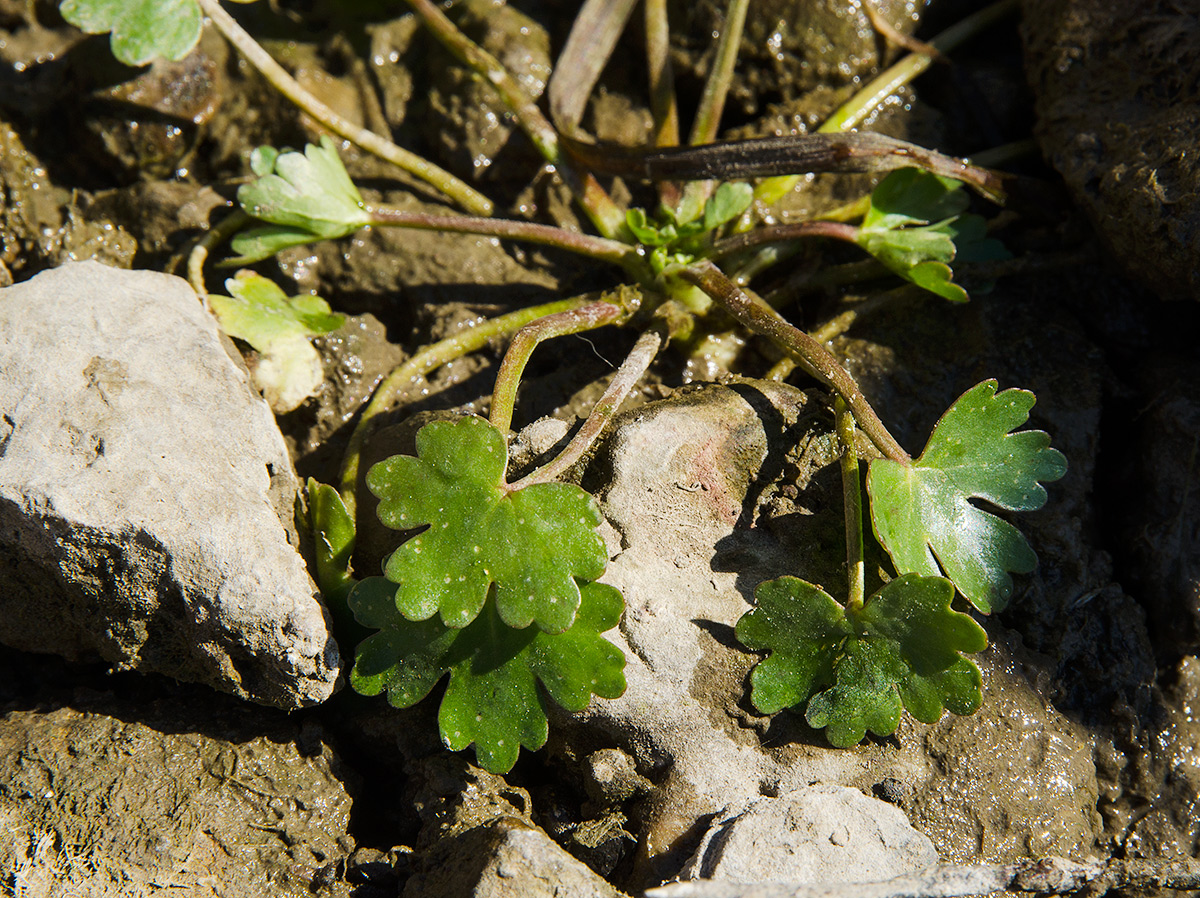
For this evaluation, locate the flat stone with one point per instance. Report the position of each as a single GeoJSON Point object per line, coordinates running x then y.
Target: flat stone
{"type": "Point", "coordinates": [146, 493]}
{"type": "Point", "coordinates": [711, 492]}
{"type": "Point", "coordinates": [502, 859]}
{"type": "Point", "coordinates": [818, 834]}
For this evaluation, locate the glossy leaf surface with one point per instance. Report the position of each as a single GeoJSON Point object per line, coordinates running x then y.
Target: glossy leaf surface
{"type": "Point", "coordinates": [303, 196]}
{"type": "Point", "coordinates": [492, 698]}
{"type": "Point", "coordinates": [858, 668]}
{"type": "Point", "coordinates": [922, 513]}
{"type": "Point", "coordinates": [532, 545]}
{"type": "Point", "coordinates": [915, 226]}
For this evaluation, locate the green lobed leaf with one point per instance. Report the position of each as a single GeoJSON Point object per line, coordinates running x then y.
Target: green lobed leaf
{"type": "Point", "coordinates": [492, 698]}
{"type": "Point", "coordinates": [922, 512]}
{"type": "Point", "coordinates": [142, 30]}
{"type": "Point", "coordinates": [914, 196]}
{"type": "Point", "coordinates": [915, 227]}
{"type": "Point", "coordinates": [531, 544]}
{"type": "Point", "coordinates": [258, 311]}
{"type": "Point", "coordinates": [648, 232]}
{"type": "Point", "coordinates": [858, 668]}
{"type": "Point", "coordinates": [306, 196]}
{"type": "Point", "coordinates": [728, 201]}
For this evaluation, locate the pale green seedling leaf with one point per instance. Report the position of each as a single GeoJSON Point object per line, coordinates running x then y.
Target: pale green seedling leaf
{"type": "Point", "coordinates": [142, 30]}
{"type": "Point", "coordinates": [531, 545]}
{"type": "Point", "coordinates": [858, 668]}
{"type": "Point", "coordinates": [728, 201]}
{"type": "Point", "coordinates": [303, 197]}
{"type": "Point", "coordinates": [648, 232]}
{"type": "Point", "coordinates": [279, 327]}
{"type": "Point", "coordinates": [915, 227]}
{"type": "Point", "coordinates": [333, 533]}
{"type": "Point", "coordinates": [492, 698]}
{"type": "Point", "coordinates": [922, 513]}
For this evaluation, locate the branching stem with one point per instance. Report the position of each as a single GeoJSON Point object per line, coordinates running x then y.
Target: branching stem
{"type": "Point", "coordinates": [852, 500]}
{"type": "Point", "coordinates": [751, 312]}
{"type": "Point", "coordinates": [600, 208]}
{"type": "Point", "coordinates": [415, 369]}
{"type": "Point", "coordinates": [630, 372]}
{"type": "Point", "coordinates": [460, 192]}
{"type": "Point", "coordinates": [573, 241]}
{"type": "Point", "coordinates": [560, 324]}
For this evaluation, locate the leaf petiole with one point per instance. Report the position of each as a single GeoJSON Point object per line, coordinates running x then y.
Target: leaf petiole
{"type": "Point", "coordinates": [457, 190]}
{"type": "Point", "coordinates": [751, 312]}
{"type": "Point", "coordinates": [560, 324]}
{"type": "Point", "coordinates": [601, 248]}
{"type": "Point", "coordinates": [394, 387]}
{"type": "Point", "coordinates": [852, 500]}
{"type": "Point", "coordinates": [627, 375]}
{"type": "Point", "coordinates": [712, 101]}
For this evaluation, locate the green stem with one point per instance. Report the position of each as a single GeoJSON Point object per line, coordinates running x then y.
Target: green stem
{"type": "Point", "coordinates": [716, 88]}
{"type": "Point", "coordinates": [751, 312]}
{"type": "Point", "coordinates": [394, 387]}
{"type": "Point", "coordinates": [707, 123]}
{"type": "Point", "coordinates": [662, 80]}
{"type": "Point", "coordinates": [460, 192]}
{"type": "Point", "coordinates": [600, 208]}
{"type": "Point", "coordinates": [779, 233]}
{"type": "Point", "coordinates": [663, 106]}
{"type": "Point", "coordinates": [560, 324]}
{"type": "Point", "coordinates": [596, 247]}
{"type": "Point", "coordinates": [623, 381]}
{"type": "Point", "coordinates": [854, 111]}
{"type": "Point", "coordinates": [224, 229]}
{"type": "Point", "coordinates": [852, 500]}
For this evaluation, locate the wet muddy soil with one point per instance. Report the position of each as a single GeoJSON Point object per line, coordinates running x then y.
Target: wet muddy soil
{"type": "Point", "coordinates": [115, 784]}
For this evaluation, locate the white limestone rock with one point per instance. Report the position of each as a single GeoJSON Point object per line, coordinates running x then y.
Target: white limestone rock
{"type": "Point", "coordinates": [818, 834]}
{"type": "Point", "coordinates": [146, 493]}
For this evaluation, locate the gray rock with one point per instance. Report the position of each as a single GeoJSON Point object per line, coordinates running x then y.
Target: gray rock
{"type": "Point", "coordinates": [711, 492]}
{"type": "Point", "coordinates": [144, 491]}
{"type": "Point", "coordinates": [818, 834]}
{"type": "Point", "coordinates": [502, 859]}
{"type": "Point", "coordinates": [682, 497]}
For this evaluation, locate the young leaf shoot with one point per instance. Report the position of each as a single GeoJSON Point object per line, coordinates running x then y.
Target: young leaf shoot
{"type": "Point", "coordinates": [279, 327]}
{"type": "Point", "coordinates": [915, 226]}
{"type": "Point", "coordinates": [922, 514]}
{"type": "Point", "coordinates": [304, 197]}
